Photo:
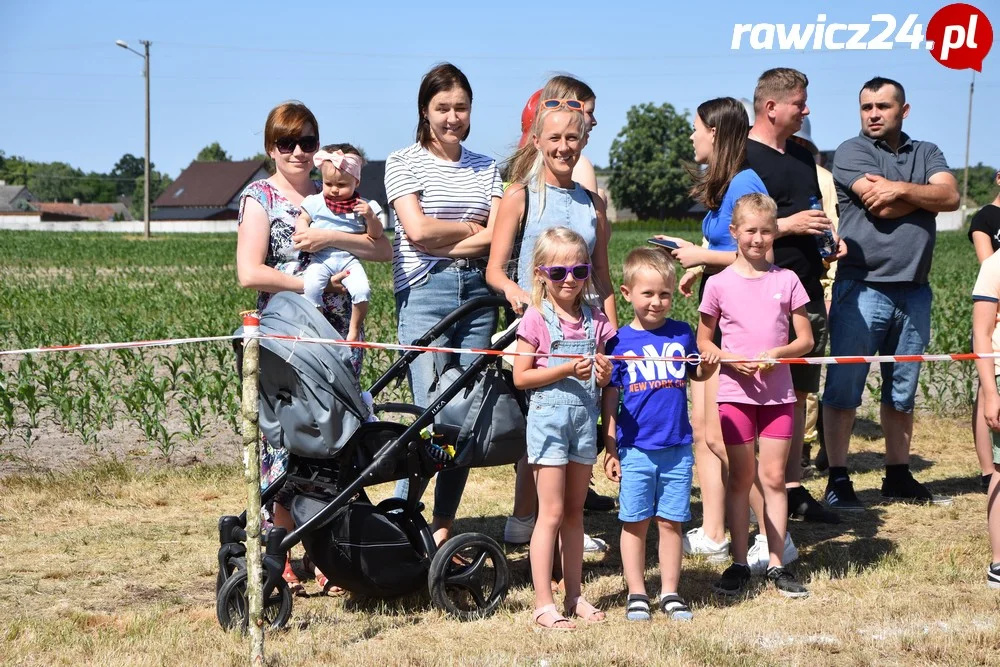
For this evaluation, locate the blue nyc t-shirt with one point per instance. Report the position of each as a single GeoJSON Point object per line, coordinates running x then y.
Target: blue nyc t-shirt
{"type": "Point", "coordinates": [653, 412]}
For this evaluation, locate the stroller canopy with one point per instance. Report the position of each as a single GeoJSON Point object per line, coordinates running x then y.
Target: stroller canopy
{"type": "Point", "coordinates": [310, 399]}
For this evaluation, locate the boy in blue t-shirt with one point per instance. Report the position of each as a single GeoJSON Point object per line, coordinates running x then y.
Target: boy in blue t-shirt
{"type": "Point", "coordinates": [647, 433]}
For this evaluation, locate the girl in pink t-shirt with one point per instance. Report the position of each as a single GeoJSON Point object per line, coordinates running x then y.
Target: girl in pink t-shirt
{"type": "Point", "coordinates": [562, 413]}
{"type": "Point", "coordinates": [753, 301]}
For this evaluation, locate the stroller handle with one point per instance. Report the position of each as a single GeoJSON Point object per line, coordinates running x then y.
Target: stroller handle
{"type": "Point", "coordinates": [457, 315]}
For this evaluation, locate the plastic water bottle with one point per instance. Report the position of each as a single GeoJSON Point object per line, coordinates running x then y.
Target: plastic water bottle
{"type": "Point", "coordinates": [827, 244]}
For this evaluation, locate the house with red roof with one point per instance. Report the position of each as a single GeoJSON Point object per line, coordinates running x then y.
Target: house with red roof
{"type": "Point", "coordinates": [75, 210]}
{"type": "Point", "coordinates": [208, 191]}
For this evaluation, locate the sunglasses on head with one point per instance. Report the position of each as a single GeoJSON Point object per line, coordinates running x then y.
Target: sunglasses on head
{"type": "Point", "coordinates": [559, 273]}
{"type": "Point", "coordinates": [572, 105]}
{"type": "Point", "coordinates": [286, 145]}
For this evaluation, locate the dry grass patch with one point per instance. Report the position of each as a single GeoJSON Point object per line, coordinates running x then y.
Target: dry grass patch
{"type": "Point", "coordinates": [114, 566]}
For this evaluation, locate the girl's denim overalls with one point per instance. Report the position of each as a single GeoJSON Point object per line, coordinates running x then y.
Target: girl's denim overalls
{"type": "Point", "coordinates": [562, 416]}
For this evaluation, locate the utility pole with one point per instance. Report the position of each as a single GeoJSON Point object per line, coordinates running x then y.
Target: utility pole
{"type": "Point", "coordinates": [968, 138]}
{"type": "Point", "coordinates": [145, 73]}
{"type": "Point", "coordinates": [145, 227]}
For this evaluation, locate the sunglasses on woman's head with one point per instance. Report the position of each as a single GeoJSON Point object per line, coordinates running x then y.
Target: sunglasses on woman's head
{"type": "Point", "coordinates": [572, 105]}
{"type": "Point", "coordinates": [286, 145]}
{"type": "Point", "coordinates": [559, 273]}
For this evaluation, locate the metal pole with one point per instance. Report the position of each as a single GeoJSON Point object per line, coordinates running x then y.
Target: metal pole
{"type": "Point", "coordinates": [968, 138]}
{"type": "Point", "coordinates": [145, 228]}
{"type": "Point", "coordinates": [251, 472]}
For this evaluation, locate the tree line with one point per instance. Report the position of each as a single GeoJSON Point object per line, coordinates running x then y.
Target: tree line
{"type": "Point", "coordinates": [61, 182]}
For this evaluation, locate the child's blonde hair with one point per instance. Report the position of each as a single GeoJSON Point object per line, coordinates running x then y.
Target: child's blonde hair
{"type": "Point", "coordinates": [754, 203]}
{"type": "Point", "coordinates": [653, 259]}
{"type": "Point", "coordinates": [549, 244]}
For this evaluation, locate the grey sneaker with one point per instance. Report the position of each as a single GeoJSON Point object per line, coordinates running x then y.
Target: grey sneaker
{"type": "Point", "coordinates": [786, 584]}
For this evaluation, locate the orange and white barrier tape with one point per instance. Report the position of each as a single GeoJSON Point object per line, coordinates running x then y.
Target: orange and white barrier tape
{"type": "Point", "coordinates": [400, 347]}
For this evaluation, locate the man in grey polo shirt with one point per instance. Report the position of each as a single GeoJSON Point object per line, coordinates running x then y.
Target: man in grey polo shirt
{"type": "Point", "coordinates": [890, 188]}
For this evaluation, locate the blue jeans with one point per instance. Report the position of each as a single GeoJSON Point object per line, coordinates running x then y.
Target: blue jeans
{"type": "Point", "coordinates": [877, 318]}
{"type": "Point", "coordinates": [420, 307]}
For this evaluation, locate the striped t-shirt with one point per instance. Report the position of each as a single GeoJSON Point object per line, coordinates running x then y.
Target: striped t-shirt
{"type": "Point", "coordinates": [462, 191]}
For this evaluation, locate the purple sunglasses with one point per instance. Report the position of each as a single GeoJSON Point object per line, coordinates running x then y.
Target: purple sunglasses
{"type": "Point", "coordinates": [559, 273]}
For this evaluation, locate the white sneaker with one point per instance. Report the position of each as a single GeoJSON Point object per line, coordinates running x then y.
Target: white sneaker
{"type": "Point", "coordinates": [593, 545]}
{"type": "Point", "coordinates": [517, 530]}
{"type": "Point", "coordinates": [758, 556]}
{"type": "Point", "coordinates": [696, 543]}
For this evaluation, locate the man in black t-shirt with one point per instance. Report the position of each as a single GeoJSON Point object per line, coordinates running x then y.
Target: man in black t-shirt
{"type": "Point", "coordinates": [986, 221]}
{"type": "Point", "coordinates": [789, 174]}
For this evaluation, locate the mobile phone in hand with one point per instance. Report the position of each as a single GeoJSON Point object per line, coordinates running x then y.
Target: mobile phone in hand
{"type": "Point", "coordinates": [664, 243]}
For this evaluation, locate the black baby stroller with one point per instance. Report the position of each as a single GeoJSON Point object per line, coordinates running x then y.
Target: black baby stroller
{"type": "Point", "coordinates": [311, 405]}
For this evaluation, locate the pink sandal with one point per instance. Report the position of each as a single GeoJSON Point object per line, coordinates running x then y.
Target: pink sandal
{"type": "Point", "coordinates": [591, 614]}
{"type": "Point", "coordinates": [551, 609]}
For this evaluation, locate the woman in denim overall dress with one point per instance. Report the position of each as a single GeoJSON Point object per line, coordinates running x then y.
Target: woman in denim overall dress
{"type": "Point", "coordinates": [562, 413]}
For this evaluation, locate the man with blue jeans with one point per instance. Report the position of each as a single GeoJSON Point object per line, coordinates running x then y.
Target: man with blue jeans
{"type": "Point", "coordinates": [890, 188]}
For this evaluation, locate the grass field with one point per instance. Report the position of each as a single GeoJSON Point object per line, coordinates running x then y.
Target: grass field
{"type": "Point", "coordinates": [111, 566]}
{"type": "Point", "coordinates": [108, 501]}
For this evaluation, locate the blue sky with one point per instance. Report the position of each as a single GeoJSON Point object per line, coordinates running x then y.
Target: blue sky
{"type": "Point", "coordinates": [217, 68]}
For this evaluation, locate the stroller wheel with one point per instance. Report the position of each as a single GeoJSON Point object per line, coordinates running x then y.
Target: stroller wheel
{"type": "Point", "coordinates": [469, 576]}
{"type": "Point", "coordinates": [232, 565]}
{"type": "Point", "coordinates": [232, 610]}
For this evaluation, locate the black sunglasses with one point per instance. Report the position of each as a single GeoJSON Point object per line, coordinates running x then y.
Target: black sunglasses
{"type": "Point", "coordinates": [286, 145]}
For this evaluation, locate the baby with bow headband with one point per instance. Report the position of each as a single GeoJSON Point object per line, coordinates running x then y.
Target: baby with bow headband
{"type": "Point", "coordinates": [338, 207]}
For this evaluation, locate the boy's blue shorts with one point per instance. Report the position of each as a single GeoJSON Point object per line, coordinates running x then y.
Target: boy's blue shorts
{"type": "Point", "coordinates": [655, 482]}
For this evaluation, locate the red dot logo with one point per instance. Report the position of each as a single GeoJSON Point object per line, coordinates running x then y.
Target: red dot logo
{"type": "Point", "coordinates": [960, 36]}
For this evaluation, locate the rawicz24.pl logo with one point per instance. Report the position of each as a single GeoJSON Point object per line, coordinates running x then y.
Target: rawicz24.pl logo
{"type": "Point", "coordinates": [959, 36]}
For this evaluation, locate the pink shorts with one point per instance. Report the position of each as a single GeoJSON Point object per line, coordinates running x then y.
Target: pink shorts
{"type": "Point", "coordinates": [743, 422]}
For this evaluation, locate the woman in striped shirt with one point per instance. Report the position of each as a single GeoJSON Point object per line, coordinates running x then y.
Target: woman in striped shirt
{"type": "Point", "coordinates": [445, 198]}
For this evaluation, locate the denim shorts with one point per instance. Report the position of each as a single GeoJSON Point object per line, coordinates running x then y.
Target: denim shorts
{"type": "Point", "coordinates": [877, 318]}
{"type": "Point", "coordinates": [655, 482]}
{"type": "Point", "coordinates": [561, 434]}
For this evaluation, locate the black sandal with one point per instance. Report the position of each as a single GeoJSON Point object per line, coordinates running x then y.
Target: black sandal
{"type": "Point", "coordinates": [675, 607]}
{"type": "Point", "coordinates": [637, 608]}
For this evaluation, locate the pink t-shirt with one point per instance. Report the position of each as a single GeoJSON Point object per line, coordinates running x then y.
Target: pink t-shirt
{"type": "Point", "coordinates": [754, 316]}
{"type": "Point", "coordinates": [533, 330]}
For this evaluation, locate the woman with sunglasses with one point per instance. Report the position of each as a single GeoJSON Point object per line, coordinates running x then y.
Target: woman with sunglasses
{"type": "Point", "coordinates": [545, 194]}
{"type": "Point", "coordinates": [271, 257]}
{"type": "Point", "coordinates": [567, 88]}
{"type": "Point", "coordinates": [445, 198]}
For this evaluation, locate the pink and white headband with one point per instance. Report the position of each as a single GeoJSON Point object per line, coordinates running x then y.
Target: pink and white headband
{"type": "Point", "coordinates": [347, 162]}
